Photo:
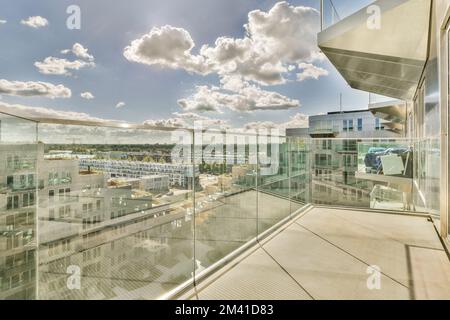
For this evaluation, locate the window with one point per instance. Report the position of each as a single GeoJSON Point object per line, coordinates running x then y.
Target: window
{"type": "Point", "coordinates": [25, 200]}
{"type": "Point", "coordinates": [9, 162]}
{"type": "Point", "coordinates": [32, 199]}
{"type": "Point", "coordinates": [345, 126]}
{"type": "Point", "coordinates": [51, 195]}
{"type": "Point", "coordinates": [16, 202]}
{"type": "Point", "coordinates": [9, 203]}
{"type": "Point", "coordinates": [68, 211]}
{"type": "Point", "coordinates": [350, 125]}
{"type": "Point", "coordinates": [377, 124]}
{"type": "Point", "coordinates": [61, 212]}
{"type": "Point", "coordinates": [360, 124]}
{"type": "Point", "coordinates": [31, 180]}
{"type": "Point", "coordinates": [23, 181]}
{"type": "Point", "coordinates": [10, 181]}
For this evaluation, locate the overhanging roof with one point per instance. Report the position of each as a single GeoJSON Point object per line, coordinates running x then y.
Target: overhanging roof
{"type": "Point", "coordinates": [388, 60]}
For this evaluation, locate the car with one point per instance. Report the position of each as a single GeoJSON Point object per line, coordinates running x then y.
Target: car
{"type": "Point", "coordinates": [371, 160]}
{"type": "Point", "coordinates": [376, 150]}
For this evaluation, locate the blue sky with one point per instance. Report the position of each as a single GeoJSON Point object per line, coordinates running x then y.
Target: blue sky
{"type": "Point", "coordinates": [150, 92]}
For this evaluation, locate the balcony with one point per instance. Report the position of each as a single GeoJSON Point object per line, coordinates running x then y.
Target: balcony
{"type": "Point", "coordinates": [326, 253]}
{"type": "Point", "coordinates": [254, 220]}
{"type": "Point", "coordinates": [324, 132]}
{"type": "Point", "coordinates": [375, 51]}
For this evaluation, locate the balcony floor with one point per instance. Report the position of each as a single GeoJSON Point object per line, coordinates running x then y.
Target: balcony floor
{"type": "Point", "coordinates": [325, 254]}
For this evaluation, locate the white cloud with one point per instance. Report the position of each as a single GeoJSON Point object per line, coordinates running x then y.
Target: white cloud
{"type": "Point", "coordinates": [87, 95]}
{"type": "Point", "coordinates": [121, 104]}
{"type": "Point", "coordinates": [297, 121]}
{"type": "Point", "coordinates": [79, 51]}
{"type": "Point", "coordinates": [275, 40]}
{"type": "Point", "coordinates": [310, 71]}
{"type": "Point", "coordinates": [187, 120]}
{"type": "Point", "coordinates": [33, 89]}
{"type": "Point", "coordinates": [42, 112]}
{"type": "Point", "coordinates": [35, 22]}
{"type": "Point", "coordinates": [3, 21]}
{"type": "Point", "coordinates": [57, 66]}
{"type": "Point", "coordinates": [168, 47]}
{"type": "Point", "coordinates": [236, 95]}
{"type": "Point", "coordinates": [275, 43]}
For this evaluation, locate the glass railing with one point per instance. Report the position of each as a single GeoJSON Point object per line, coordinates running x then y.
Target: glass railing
{"type": "Point", "coordinates": [371, 173]}
{"type": "Point", "coordinates": [136, 212]}
{"type": "Point", "coordinates": [334, 11]}
{"type": "Point", "coordinates": [133, 212]}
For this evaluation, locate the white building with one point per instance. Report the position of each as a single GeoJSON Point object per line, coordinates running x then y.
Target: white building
{"type": "Point", "coordinates": [179, 174]}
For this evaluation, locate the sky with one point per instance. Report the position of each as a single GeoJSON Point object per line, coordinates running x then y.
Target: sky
{"type": "Point", "coordinates": [234, 63]}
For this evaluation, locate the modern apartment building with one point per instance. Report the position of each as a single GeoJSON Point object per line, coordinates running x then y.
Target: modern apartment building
{"type": "Point", "coordinates": [355, 124]}
{"type": "Point", "coordinates": [399, 49]}
{"type": "Point", "coordinates": [82, 222]}
{"type": "Point", "coordinates": [179, 175]}
{"type": "Point", "coordinates": [335, 156]}
{"type": "Point", "coordinates": [18, 221]}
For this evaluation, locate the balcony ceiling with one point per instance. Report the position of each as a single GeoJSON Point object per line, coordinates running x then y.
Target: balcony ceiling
{"type": "Point", "coordinates": [387, 61]}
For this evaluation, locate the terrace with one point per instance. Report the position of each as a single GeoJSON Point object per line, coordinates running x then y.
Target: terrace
{"type": "Point", "coordinates": [274, 227]}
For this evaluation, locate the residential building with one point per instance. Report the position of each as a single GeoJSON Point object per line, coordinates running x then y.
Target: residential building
{"type": "Point", "coordinates": [180, 175]}
{"type": "Point", "coordinates": [335, 156]}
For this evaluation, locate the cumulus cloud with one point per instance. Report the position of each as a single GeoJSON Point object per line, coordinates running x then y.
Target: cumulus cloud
{"type": "Point", "coordinates": [35, 22]}
{"type": "Point", "coordinates": [187, 120]}
{"type": "Point", "coordinates": [79, 51]}
{"type": "Point", "coordinates": [33, 89]}
{"type": "Point", "coordinates": [120, 104]}
{"type": "Point", "coordinates": [275, 40]}
{"type": "Point", "coordinates": [3, 21]}
{"type": "Point", "coordinates": [87, 95]}
{"type": "Point", "coordinates": [166, 47]}
{"type": "Point", "coordinates": [56, 66]}
{"type": "Point", "coordinates": [297, 121]}
{"type": "Point", "coordinates": [236, 95]}
{"type": "Point", "coordinates": [278, 44]}
{"type": "Point", "coordinates": [310, 71]}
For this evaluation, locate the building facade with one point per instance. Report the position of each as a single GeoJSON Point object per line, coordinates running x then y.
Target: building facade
{"type": "Point", "coordinates": [334, 155]}
{"type": "Point", "coordinates": [410, 64]}
{"type": "Point", "coordinates": [180, 175]}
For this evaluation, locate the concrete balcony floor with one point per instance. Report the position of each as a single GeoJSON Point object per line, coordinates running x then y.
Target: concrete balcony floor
{"type": "Point", "coordinates": [325, 254]}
